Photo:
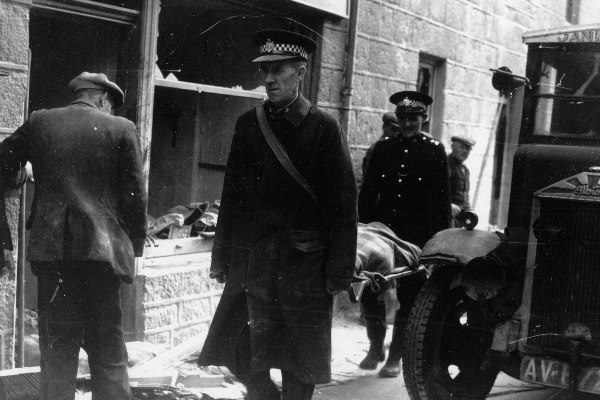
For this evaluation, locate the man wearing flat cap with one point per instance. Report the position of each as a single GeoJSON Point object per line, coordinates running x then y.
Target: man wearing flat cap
{"type": "Point", "coordinates": [88, 222]}
{"type": "Point", "coordinates": [390, 129]}
{"type": "Point", "coordinates": [461, 146]}
{"type": "Point", "coordinates": [406, 188]}
{"type": "Point", "coordinates": [282, 246]}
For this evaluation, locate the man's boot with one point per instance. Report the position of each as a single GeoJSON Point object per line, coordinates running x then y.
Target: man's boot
{"type": "Point", "coordinates": [391, 369]}
{"type": "Point", "coordinates": [376, 335]}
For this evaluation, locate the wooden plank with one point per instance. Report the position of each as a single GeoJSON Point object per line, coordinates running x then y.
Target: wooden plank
{"type": "Point", "coordinates": [175, 264]}
{"type": "Point", "coordinates": [149, 37]}
{"type": "Point", "coordinates": [171, 247]}
{"type": "Point", "coordinates": [200, 88]}
{"type": "Point", "coordinates": [91, 9]}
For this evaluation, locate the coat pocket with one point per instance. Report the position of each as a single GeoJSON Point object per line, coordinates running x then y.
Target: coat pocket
{"type": "Point", "coordinates": [304, 272]}
{"type": "Point", "coordinates": [308, 241]}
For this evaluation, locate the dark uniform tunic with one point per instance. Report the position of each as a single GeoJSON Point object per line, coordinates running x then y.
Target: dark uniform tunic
{"type": "Point", "coordinates": [459, 183]}
{"type": "Point", "coordinates": [407, 188]}
{"type": "Point", "coordinates": [280, 250]}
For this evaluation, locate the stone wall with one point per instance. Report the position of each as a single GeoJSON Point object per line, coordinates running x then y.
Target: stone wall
{"type": "Point", "coordinates": [469, 36]}
{"type": "Point", "coordinates": [590, 12]}
{"type": "Point", "coordinates": [14, 45]}
{"type": "Point", "coordinates": [179, 298]}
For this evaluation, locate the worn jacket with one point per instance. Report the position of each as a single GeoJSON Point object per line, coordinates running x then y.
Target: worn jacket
{"type": "Point", "coordinates": [407, 188]}
{"type": "Point", "coordinates": [459, 183]}
{"type": "Point", "coordinates": [90, 196]}
{"type": "Point", "coordinates": [278, 246]}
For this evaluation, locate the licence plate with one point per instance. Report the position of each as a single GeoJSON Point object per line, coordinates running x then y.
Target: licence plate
{"type": "Point", "coordinates": [555, 373]}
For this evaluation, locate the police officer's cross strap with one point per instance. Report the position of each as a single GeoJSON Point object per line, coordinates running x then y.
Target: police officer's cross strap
{"type": "Point", "coordinates": [282, 155]}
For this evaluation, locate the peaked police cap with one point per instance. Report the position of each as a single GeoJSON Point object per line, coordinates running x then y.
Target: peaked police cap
{"type": "Point", "coordinates": [410, 102]}
{"type": "Point", "coordinates": [277, 44]}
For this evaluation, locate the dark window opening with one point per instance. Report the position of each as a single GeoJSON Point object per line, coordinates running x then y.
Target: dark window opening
{"type": "Point", "coordinates": [431, 81]}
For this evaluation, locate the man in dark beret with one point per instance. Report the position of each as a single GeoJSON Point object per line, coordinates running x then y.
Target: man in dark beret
{"type": "Point", "coordinates": [406, 188]}
{"type": "Point", "coordinates": [390, 129]}
{"type": "Point", "coordinates": [461, 146]}
{"type": "Point", "coordinates": [284, 245]}
{"type": "Point", "coordinates": [88, 223]}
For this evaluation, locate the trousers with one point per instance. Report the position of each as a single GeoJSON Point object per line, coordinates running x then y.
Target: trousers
{"type": "Point", "coordinates": [374, 312]}
{"type": "Point", "coordinates": [261, 387]}
{"type": "Point", "coordinates": [79, 306]}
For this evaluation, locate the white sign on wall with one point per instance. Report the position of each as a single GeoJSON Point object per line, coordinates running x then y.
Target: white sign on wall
{"type": "Point", "coordinates": [337, 7]}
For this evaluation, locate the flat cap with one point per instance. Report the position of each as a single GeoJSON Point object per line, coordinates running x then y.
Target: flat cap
{"type": "Point", "coordinates": [277, 44]}
{"type": "Point", "coordinates": [98, 81]}
{"type": "Point", "coordinates": [389, 118]}
{"type": "Point", "coordinates": [463, 139]}
{"type": "Point", "coordinates": [410, 102]}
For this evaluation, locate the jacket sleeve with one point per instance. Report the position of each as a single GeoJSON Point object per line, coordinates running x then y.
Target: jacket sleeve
{"type": "Point", "coordinates": [340, 203]}
{"type": "Point", "coordinates": [133, 197]}
{"type": "Point", "coordinates": [367, 198]}
{"type": "Point", "coordinates": [14, 153]}
{"type": "Point", "coordinates": [467, 205]}
{"type": "Point", "coordinates": [222, 246]}
{"type": "Point", "coordinates": [441, 214]}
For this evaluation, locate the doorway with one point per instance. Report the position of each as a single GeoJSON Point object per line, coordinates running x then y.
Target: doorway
{"type": "Point", "coordinates": [62, 46]}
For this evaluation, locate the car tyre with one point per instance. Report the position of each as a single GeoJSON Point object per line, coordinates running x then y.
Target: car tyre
{"type": "Point", "coordinates": [438, 342]}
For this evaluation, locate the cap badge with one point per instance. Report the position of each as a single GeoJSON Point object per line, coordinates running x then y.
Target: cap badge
{"type": "Point", "coordinates": [269, 46]}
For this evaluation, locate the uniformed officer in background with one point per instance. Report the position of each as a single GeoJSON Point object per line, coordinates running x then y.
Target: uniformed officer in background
{"type": "Point", "coordinates": [461, 146]}
{"type": "Point", "coordinates": [390, 129]}
{"type": "Point", "coordinates": [407, 188]}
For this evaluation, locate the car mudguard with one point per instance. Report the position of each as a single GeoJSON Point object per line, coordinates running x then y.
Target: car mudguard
{"type": "Point", "coordinates": [458, 246]}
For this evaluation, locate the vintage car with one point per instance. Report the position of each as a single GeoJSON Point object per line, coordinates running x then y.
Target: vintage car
{"type": "Point", "coordinates": [525, 301]}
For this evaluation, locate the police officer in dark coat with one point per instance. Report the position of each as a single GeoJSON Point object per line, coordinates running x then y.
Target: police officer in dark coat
{"type": "Point", "coordinates": [281, 252]}
{"type": "Point", "coordinates": [390, 129]}
{"type": "Point", "coordinates": [88, 222]}
{"type": "Point", "coordinates": [407, 188]}
{"type": "Point", "coordinates": [461, 146]}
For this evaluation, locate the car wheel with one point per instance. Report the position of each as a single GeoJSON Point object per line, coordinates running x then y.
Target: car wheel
{"type": "Point", "coordinates": [445, 345]}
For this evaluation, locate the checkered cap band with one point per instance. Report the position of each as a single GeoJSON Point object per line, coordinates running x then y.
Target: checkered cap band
{"type": "Point", "coordinates": [282, 48]}
{"type": "Point", "coordinates": [409, 103]}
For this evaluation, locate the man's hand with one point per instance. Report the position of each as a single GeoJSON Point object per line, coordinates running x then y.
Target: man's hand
{"type": "Point", "coordinates": [9, 265]}
{"type": "Point", "coordinates": [455, 210]}
{"type": "Point", "coordinates": [218, 276]}
{"type": "Point", "coordinates": [29, 172]}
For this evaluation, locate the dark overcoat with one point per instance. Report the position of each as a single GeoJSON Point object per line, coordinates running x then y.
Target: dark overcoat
{"type": "Point", "coordinates": [282, 252]}
{"type": "Point", "coordinates": [459, 183]}
{"type": "Point", "coordinates": [90, 195]}
{"type": "Point", "coordinates": [407, 188]}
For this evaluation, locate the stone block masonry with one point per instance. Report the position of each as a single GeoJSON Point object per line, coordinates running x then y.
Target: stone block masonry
{"type": "Point", "coordinates": [179, 298]}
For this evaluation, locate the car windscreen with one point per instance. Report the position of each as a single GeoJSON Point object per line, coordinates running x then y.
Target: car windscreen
{"type": "Point", "coordinates": [565, 92]}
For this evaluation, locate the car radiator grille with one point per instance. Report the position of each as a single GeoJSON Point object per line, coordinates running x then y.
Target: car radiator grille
{"type": "Point", "coordinates": [566, 283]}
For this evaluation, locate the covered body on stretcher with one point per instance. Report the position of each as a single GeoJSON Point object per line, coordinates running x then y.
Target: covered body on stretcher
{"type": "Point", "coordinates": [380, 257]}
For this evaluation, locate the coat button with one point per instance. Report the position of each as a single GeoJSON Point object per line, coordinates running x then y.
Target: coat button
{"type": "Point", "coordinates": [402, 166]}
{"type": "Point", "coordinates": [419, 179]}
{"type": "Point", "coordinates": [383, 175]}
{"type": "Point", "coordinates": [400, 180]}
{"type": "Point", "coordinates": [406, 150]}
{"type": "Point", "coordinates": [399, 195]}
